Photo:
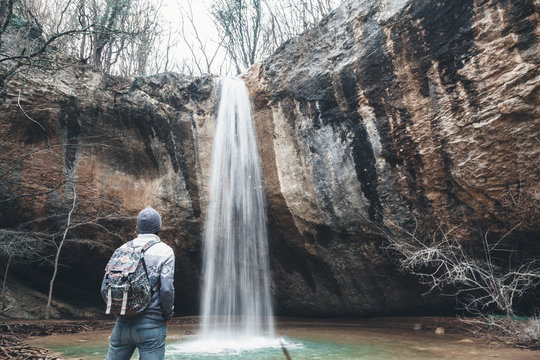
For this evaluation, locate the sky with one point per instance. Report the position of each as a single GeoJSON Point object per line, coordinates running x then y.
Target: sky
{"type": "Point", "coordinates": [201, 10]}
{"type": "Point", "coordinates": [171, 13]}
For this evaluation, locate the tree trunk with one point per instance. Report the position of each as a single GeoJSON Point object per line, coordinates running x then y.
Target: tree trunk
{"type": "Point", "coordinates": [83, 22]}
{"type": "Point", "coordinates": [105, 35]}
{"type": "Point", "coordinates": [51, 284]}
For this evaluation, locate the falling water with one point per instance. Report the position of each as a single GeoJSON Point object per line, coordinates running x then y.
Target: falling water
{"type": "Point", "coordinates": [236, 299]}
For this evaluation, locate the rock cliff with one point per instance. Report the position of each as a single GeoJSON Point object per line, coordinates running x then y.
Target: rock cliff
{"type": "Point", "coordinates": [120, 145]}
{"type": "Point", "coordinates": [387, 111]}
{"type": "Point", "coordinates": [391, 111]}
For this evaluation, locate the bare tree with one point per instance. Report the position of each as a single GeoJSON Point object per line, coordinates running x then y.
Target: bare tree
{"type": "Point", "coordinates": [21, 246]}
{"type": "Point", "coordinates": [167, 52]}
{"type": "Point", "coordinates": [203, 52]}
{"type": "Point", "coordinates": [127, 32]}
{"type": "Point", "coordinates": [288, 18]}
{"type": "Point", "coordinates": [36, 55]}
{"type": "Point", "coordinates": [127, 37]}
{"type": "Point", "coordinates": [482, 267]}
{"type": "Point", "coordinates": [486, 282]}
{"type": "Point", "coordinates": [144, 45]}
{"type": "Point", "coordinates": [479, 282]}
{"type": "Point", "coordinates": [28, 41]}
{"type": "Point", "coordinates": [519, 331]}
{"type": "Point", "coordinates": [240, 26]}
{"type": "Point", "coordinates": [72, 223]}
{"type": "Point", "coordinates": [50, 33]}
{"type": "Point", "coordinates": [43, 239]}
{"type": "Point", "coordinates": [245, 25]}
{"type": "Point", "coordinates": [57, 256]}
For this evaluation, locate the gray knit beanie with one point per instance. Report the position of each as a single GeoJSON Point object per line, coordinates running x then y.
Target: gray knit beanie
{"type": "Point", "coordinates": [148, 221]}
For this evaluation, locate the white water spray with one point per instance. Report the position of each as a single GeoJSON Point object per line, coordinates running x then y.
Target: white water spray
{"type": "Point", "coordinates": [236, 299]}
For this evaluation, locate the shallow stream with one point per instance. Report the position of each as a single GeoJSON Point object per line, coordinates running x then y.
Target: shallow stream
{"type": "Point", "coordinates": [304, 340]}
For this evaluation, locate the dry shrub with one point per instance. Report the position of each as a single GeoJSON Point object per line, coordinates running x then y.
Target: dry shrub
{"type": "Point", "coordinates": [517, 331]}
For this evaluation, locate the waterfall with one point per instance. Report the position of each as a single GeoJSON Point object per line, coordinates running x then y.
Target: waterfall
{"type": "Point", "coordinates": [235, 299]}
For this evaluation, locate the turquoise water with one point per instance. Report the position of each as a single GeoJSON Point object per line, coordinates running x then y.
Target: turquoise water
{"type": "Point", "coordinates": [68, 347]}
{"type": "Point", "coordinates": [317, 340]}
{"type": "Point", "coordinates": [297, 349]}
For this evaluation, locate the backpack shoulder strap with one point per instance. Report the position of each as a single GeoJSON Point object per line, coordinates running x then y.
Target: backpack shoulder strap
{"type": "Point", "coordinates": [145, 247]}
{"type": "Point", "coordinates": [149, 244]}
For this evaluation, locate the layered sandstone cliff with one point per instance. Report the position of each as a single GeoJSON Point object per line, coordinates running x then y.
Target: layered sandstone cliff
{"type": "Point", "coordinates": [388, 111]}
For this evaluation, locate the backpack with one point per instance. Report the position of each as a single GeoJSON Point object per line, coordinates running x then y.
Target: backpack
{"type": "Point", "coordinates": [128, 290]}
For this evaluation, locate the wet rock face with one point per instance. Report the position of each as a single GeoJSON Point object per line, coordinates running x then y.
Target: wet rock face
{"type": "Point", "coordinates": [120, 145]}
{"type": "Point", "coordinates": [392, 111]}
{"type": "Point", "coordinates": [388, 111]}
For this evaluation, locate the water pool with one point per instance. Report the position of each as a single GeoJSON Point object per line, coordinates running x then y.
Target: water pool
{"type": "Point", "coordinates": [303, 340]}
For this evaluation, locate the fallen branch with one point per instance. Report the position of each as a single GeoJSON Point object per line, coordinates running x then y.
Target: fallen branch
{"type": "Point", "coordinates": [285, 351]}
{"type": "Point", "coordinates": [12, 347]}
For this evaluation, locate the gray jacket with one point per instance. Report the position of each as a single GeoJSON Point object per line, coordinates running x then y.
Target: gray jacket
{"type": "Point", "coordinates": [159, 260]}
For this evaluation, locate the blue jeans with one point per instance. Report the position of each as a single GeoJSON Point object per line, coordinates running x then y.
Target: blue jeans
{"type": "Point", "coordinates": [143, 333]}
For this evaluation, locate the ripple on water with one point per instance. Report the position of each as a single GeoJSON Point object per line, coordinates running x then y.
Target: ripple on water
{"type": "Point", "coordinates": [212, 347]}
{"type": "Point", "coordinates": [261, 348]}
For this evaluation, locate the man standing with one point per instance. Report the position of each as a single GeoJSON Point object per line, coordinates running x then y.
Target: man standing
{"type": "Point", "coordinates": [148, 330]}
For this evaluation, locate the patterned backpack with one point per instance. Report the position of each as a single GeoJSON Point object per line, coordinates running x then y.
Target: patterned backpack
{"type": "Point", "coordinates": [128, 289]}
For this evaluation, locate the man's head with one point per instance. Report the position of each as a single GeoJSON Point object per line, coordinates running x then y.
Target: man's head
{"type": "Point", "coordinates": [148, 221]}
